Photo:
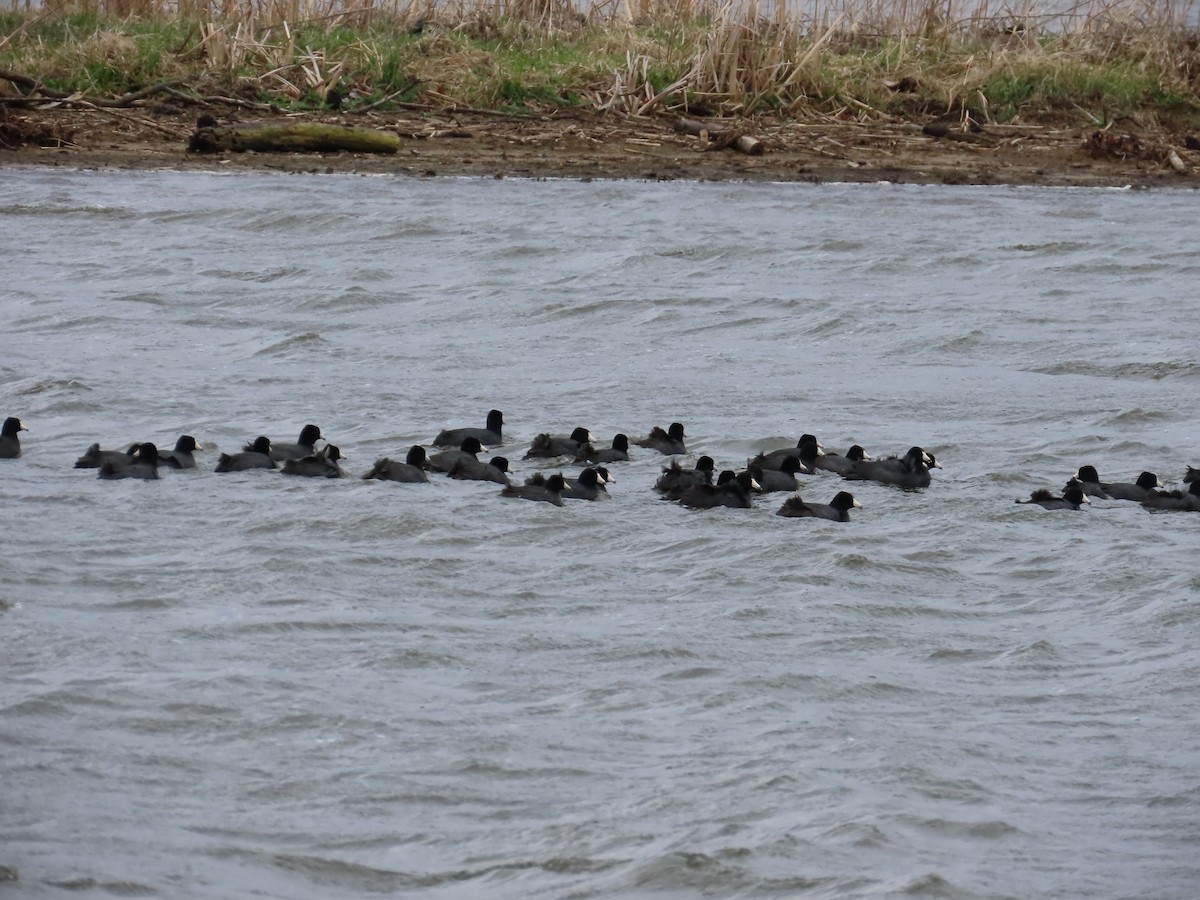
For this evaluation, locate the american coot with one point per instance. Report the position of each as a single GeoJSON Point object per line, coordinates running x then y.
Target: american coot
{"type": "Point", "coordinates": [305, 446]}
{"type": "Point", "coordinates": [908, 471]}
{"type": "Point", "coordinates": [489, 437]}
{"type": "Point", "coordinates": [495, 470]}
{"type": "Point", "coordinates": [444, 461]}
{"type": "Point", "coordinates": [784, 479]}
{"type": "Point", "coordinates": [1073, 497]}
{"type": "Point", "coordinates": [669, 442]}
{"type": "Point", "coordinates": [256, 456]}
{"type": "Point", "coordinates": [94, 457]}
{"type": "Point", "coordinates": [549, 446]}
{"type": "Point", "coordinates": [1182, 501]}
{"type": "Point", "coordinates": [588, 485]}
{"type": "Point", "coordinates": [412, 471]}
{"type": "Point", "coordinates": [538, 488]}
{"type": "Point", "coordinates": [144, 465]}
{"type": "Point", "coordinates": [730, 490]}
{"type": "Point", "coordinates": [807, 449]}
{"type": "Point", "coordinates": [618, 452]}
{"type": "Point", "coordinates": [181, 457]}
{"type": "Point", "coordinates": [1138, 491]}
{"type": "Point", "coordinates": [10, 443]}
{"type": "Point", "coordinates": [322, 464]}
{"type": "Point", "coordinates": [1089, 480]}
{"type": "Point", "coordinates": [840, 465]}
{"type": "Point", "coordinates": [836, 510]}
{"type": "Point", "coordinates": [675, 479]}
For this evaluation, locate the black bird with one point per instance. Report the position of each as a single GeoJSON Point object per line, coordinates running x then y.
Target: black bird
{"type": "Point", "coordinates": [807, 449]}
{"type": "Point", "coordinates": [675, 479]}
{"type": "Point", "coordinates": [1094, 487]}
{"type": "Point", "coordinates": [305, 446]}
{"type": "Point", "coordinates": [94, 457]}
{"type": "Point", "coordinates": [181, 457]}
{"type": "Point", "coordinates": [10, 444]}
{"type": "Point", "coordinates": [1072, 497]}
{"type": "Point", "coordinates": [538, 488]}
{"type": "Point", "coordinates": [730, 490]}
{"type": "Point", "coordinates": [619, 452]}
{"type": "Point", "coordinates": [444, 461]}
{"type": "Point", "coordinates": [256, 456]}
{"type": "Point", "coordinates": [1089, 480]}
{"type": "Point", "coordinates": [1187, 501]}
{"type": "Point", "coordinates": [411, 471]}
{"type": "Point", "coordinates": [322, 464]}
{"type": "Point", "coordinates": [489, 437]}
{"type": "Point", "coordinates": [589, 485]}
{"type": "Point", "coordinates": [782, 480]}
{"type": "Point", "coordinates": [840, 465]}
{"type": "Point", "coordinates": [549, 446]}
{"type": "Point", "coordinates": [908, 471]}
{"type": "Point", "coordinates": [495, 470]}
{"type": "Point", "coordinates": [669, 442]}
{"type": "Point", "coordinates": [836, 510]}
{"type": "Point", "coordinates": [144, 465]}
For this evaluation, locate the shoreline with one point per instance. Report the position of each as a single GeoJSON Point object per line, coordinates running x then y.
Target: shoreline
{"type": "Point", "coordinates": [594, 146]}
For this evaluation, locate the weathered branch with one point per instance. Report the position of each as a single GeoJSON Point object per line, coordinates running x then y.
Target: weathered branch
{"type": "Point", "coordinates": [123, 102]}
{"type": "Point", "coordinates": [721, 139]}
{"type": "Point", "coordinates": [292, 137]}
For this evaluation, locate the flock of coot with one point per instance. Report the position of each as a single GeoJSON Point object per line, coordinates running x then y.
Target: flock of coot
{"type": "Point", "coordinates": [699, 487]}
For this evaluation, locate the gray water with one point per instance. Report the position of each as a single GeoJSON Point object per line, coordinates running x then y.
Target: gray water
{"type": "Point", "coordinates": [252, 685]}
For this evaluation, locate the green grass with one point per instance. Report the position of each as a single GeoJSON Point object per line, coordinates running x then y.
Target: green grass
{"type": "Point", "coordinates": [506, 63]}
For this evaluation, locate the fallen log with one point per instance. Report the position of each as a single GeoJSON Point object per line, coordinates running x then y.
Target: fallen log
{"type": "Point", "coordinates": [291, 137]}
{"type": "Point", "coordinates": [721, 139]}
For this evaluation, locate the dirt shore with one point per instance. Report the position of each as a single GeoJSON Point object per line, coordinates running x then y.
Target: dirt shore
{"type": "Point", "coordinates": [582, 144]}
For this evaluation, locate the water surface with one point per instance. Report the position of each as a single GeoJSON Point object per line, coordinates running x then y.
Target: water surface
{"type": "Point", "coordinates": [251, 685]}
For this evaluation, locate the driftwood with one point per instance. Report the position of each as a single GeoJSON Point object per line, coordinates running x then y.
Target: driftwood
{"type": "Point", "coordinates": [123, 102]}
{"type": "Point", "coordinates": [721, 139]}
{"type": "Point", "coordinates": [291, 137]}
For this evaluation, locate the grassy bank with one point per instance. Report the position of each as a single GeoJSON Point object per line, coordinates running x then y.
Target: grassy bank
{"type": "Point", "coordinates": [1096, 66]}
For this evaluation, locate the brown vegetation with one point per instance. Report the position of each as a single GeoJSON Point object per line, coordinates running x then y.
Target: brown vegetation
{"type": "Point", "coordinates": [930, 91]}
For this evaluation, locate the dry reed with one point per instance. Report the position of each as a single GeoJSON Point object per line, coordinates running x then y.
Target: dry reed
{"type": "Point", "coordinates": [641, 56]}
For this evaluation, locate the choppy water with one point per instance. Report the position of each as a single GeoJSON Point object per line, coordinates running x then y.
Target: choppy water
{"type": "Point", "coordinates": [248, 685]}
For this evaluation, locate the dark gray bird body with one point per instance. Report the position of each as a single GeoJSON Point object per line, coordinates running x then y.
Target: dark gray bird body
{"type": "Point", "coordinates": [908, 471]}
{"type": "Point", "coordinates": [550, 446]}
{"type": "Point", "coordinates": [10, 443]}
{"type": "Point", "coordinates": [618, 452]}
{"type": "Point", "coordinates": [1073, 497]}
{"type": "Point", "coordinates": [181, 457]}
{"type": "Point", "coordinates": [837, 510]}
{"type": "Point", "coordinates": [447, 459]}
{"type": "Point", "coordinates": [144, 465]}
{"type": "Point", "coordinates": [669, 442]}
{"type": "Point", "coordinates": [538, 487]}
{"type": "Point", "coordinates": [94, 457]}
{"type": "Point", "coordinates": [322, 464]}
{"type": "Point", "coordinates": [491, 436]}
{"type": "Point", "coordinates": [675, 479]}
{"type": "Point", "coordinates": [305, 446]}
{"type": "Point", "coordinates": [411, 471]}
{"type": "Point", "coordinates": [256, 456]}
{"type": "Point", "coordinates": [494, 470]}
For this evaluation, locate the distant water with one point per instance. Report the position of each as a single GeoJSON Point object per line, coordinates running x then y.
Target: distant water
{"type": "Point", "coordinates": [254, 686]}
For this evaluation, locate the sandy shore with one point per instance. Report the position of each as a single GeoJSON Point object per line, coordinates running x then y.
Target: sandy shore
{"type": "Point", "coordinates": [592, 145]}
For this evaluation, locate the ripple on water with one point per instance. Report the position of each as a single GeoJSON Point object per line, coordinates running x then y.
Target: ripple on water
{"type": "Point", "coordinates": [393, 689]}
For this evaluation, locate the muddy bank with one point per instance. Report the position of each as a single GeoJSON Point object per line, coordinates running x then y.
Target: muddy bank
{"type": "Point", "coordinates": [581, 144]}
